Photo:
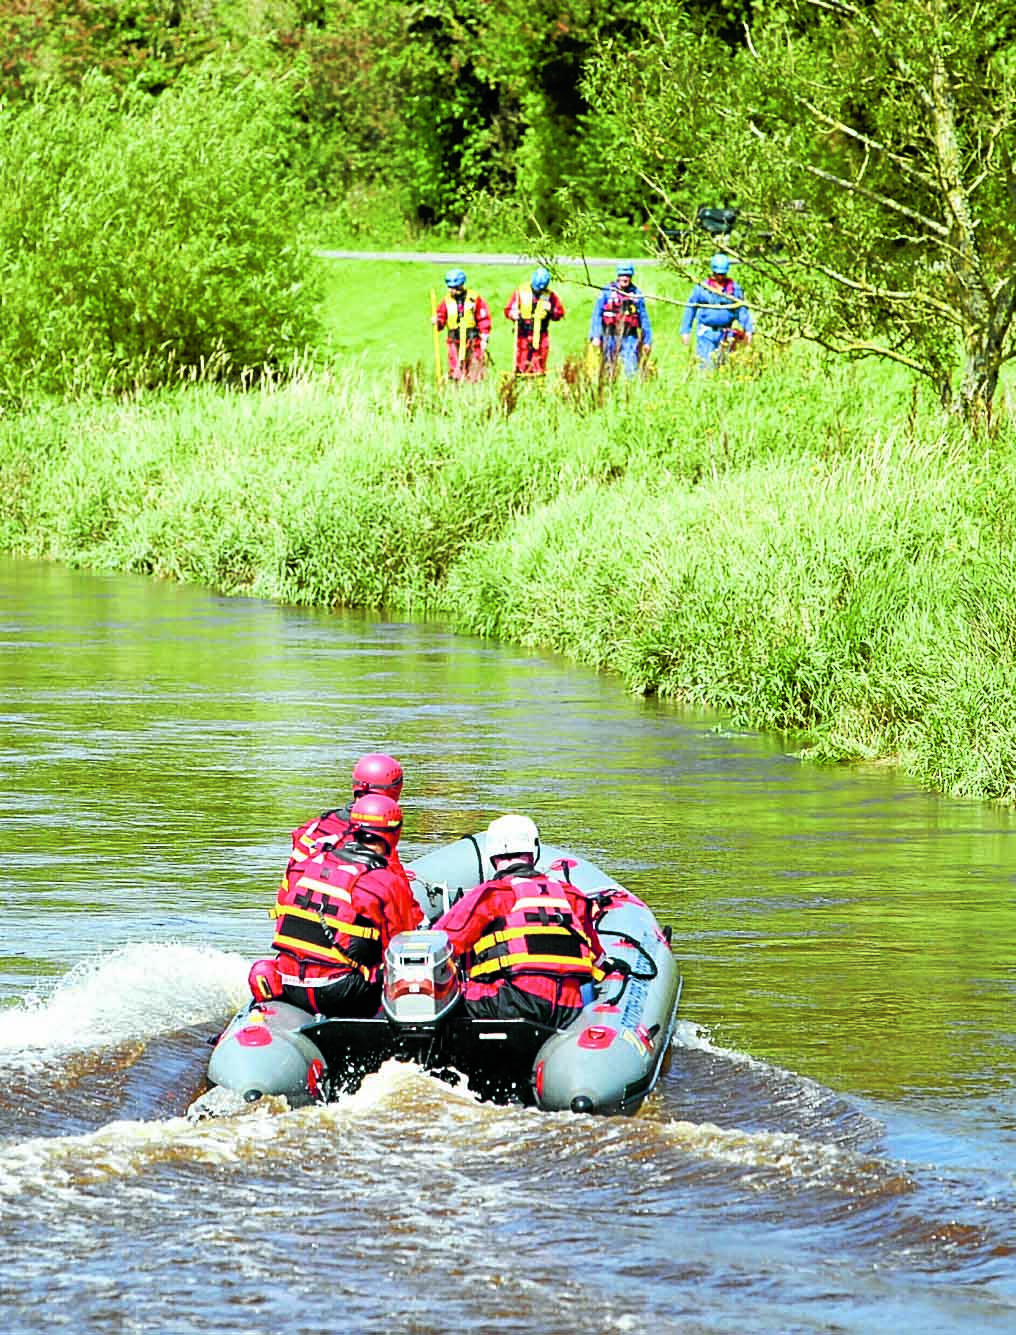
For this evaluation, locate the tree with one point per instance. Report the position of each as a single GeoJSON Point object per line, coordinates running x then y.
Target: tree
{"type": "Point", "coordinates": [873, 141]}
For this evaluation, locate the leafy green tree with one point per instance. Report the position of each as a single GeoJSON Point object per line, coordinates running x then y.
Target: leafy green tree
{"type": "Point", "coordinates": [873, 141]}
{"type": "Point", "coordinates": [142, 239]}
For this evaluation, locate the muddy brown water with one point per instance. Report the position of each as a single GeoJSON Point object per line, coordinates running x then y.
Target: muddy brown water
{"type": "Point", "coordinates": [832, 1149]}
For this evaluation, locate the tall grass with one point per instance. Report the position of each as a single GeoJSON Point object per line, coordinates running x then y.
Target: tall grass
{"type": "Point", "coordinates": [822, 572]}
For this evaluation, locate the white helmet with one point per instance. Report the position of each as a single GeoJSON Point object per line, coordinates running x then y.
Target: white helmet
{"type": "Point", "coordinates": [513, 835]}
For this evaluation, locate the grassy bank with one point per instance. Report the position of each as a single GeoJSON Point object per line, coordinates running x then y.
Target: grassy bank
{"type": "Point", "coordinates": [765, 546]}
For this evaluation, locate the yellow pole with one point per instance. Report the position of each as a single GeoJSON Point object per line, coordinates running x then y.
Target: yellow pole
{"type": "Point", "coordinates": [437, 336]}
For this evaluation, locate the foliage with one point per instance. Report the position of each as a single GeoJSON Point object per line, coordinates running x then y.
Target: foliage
{"type": "Point", "coordinates": [142, 239]}
{"type": "Point", "coordinates": [873, 144]}
{"type": "Point", "coordinates": [432, 101]}
{"type": "Point", "coordinates": [769, 547]}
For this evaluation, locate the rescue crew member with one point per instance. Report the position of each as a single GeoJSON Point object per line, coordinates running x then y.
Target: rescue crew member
{"type": "Point", "coordinates": [466, 316]}
{"type": "Point", "coordinates": [715, 305]}
{"type": "Point", "coordinates": [531, 308]}
{"type": "Point", "coordinates": [527, 943]}
{"type": "Point", "coordinates": [620, 326]}
{"type": "Point", "coordinates": [335, 914]}
{"type": "Point", "coordinates": [372, 773]}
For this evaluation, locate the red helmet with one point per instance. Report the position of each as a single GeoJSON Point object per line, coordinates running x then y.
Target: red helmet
{"type": "Point", "coordinates": [377, 773]}
{"type": "Point", "coordinates": [373, 813]}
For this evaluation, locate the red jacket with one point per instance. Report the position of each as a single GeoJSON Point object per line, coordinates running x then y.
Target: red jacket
{"type": "Point", "coordinates": [522, 305]}
{"type": "Point", "coordinates": [330, 826]}
{"type": "Point", "coordinates": [341, 907]}
{"type": "Point", "coordinates": [470, 309]}
{"type": "Point", "coordinates": [530, 930]}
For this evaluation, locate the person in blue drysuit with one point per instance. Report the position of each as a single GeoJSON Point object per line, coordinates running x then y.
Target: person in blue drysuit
{"type": "Point", "coordinates": [716, 305]}
{"type": "Point", "coordinates": [620, 325]}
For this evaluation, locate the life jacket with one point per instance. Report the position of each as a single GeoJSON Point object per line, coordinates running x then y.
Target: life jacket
{"type": "Point", "coordinates": [720, 314]}
{"type": "Point", "coordinates": [467, 316]}
{"type": "Point", "coordinates": [331, 825]}
{"type": "Point", "coordinates": [621, 312]}
{"type": "Point", "coordinates": [527, 306]}
{"type": "Point", "coordinates": [322, 911]}
{"type": "Point", "coordinates": [540, 934]}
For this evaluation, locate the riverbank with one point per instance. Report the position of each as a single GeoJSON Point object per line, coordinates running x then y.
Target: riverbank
{"type": "Point", "coordinates": [814, 573]}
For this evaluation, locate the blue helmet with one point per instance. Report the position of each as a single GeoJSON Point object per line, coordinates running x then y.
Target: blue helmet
{"type": "Point", "coordinates": [720, 264]}
{"type": "Point", "coordinates": [626, 268]}
{"type": "Point", "coordinates": [540, 280]}
{"type": "Point", "coordinates": [455, 278]}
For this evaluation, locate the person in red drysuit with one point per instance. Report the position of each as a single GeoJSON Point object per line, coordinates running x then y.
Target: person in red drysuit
{"type": "Point", "coordinates": [527, 943]}
{"type": "Point", "coordinates": [372, 773]}
{"type": "Point", "coordinates": [466, 316]}
{"type": "Point", "coordinates": [531, 308]}
{"type": "Point", "coordinates": [335, 914]}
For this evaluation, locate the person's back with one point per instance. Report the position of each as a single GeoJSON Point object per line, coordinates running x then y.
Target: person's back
{"type": "Point", "coordinates": [528, 942]}
{"type": "Point", "coordinates": [335, 913]}
{"type": "Point", "coordinates": [372, 773]}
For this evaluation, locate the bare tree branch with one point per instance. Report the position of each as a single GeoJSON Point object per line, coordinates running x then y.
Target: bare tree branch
{"type": "Point", "coordinates": [912, 298]}
{"type": "Point", "coordinates": [843, 128]}
{"type": "Point", "coordinates": [877, 198]}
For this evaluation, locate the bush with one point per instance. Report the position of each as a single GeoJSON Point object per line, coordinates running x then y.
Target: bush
{"type": "Point", "coordinates": [144, 239]}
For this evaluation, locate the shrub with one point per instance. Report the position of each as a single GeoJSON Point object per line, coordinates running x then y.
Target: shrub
{"type": "Point", "coordinates": [143, 239]}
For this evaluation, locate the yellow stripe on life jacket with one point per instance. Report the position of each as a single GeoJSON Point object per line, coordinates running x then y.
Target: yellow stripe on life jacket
{"type": "Point", "coordinates": [513, 933]}
{"type": "Point", "coordinates": [326, 888]}
{"type": "Point", "coordinates": [336, 924]}
{"type": "Point", "coordinates": [523, 959]}
{"type": "Point", "coordinates": [322, 955]}
{"type": "Point", "coordinates": [543, 902]}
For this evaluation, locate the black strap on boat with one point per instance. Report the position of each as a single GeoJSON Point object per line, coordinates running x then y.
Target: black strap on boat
{"type": "Point", "coordinates": [479, 856]}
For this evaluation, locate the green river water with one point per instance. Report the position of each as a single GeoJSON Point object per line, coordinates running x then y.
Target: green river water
{"type": "Point", "coordinates": [832, 1149]}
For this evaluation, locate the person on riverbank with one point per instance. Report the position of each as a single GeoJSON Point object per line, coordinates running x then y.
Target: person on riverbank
{"type": "Point", "coordinates": [527, 943]}
{"type": "Point", "coordinates": [372, 773]}
{"type": "Point", "coordinates": [531, 308]}
{"type": "Point", "coordinates": [466, 317]}
{"type": "Point", "coordinates": [717, 306]}
{"type": "Point", "coordinates": [620, 326]}
{"type": "Point", "coordinates": [335, 914]}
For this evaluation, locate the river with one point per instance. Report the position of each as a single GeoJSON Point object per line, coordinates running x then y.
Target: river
{"type": "Point", "coordinates": [833, 1147]}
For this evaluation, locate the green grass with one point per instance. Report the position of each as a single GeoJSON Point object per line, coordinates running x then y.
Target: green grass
{"type": "Point", "coordinates": [762, 545]}
{"type": "Point", "coordinates": [376, 313]}
{"type": "Point", "coordinates": [801, 544]}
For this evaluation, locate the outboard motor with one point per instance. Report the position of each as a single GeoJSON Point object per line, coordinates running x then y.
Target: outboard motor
{"type": "Point", "coordinates": [421, 981]}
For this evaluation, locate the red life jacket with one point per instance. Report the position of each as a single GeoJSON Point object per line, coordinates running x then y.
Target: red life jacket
{"type": "Point", "coordinates": [327, 910]}
{"type": "Point", "coordinates": [331, 825]}
{"type": "Point", "coordinates": [620, 312]}
{"type": "Point", "coordinates": [540, 934]}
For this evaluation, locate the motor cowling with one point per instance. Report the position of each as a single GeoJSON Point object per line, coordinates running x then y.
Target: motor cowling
{"type": "Point", "coordinates": [421, 981]}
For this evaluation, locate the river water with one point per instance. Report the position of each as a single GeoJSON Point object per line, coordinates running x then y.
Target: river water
{"type": "Point", "coordinates": [832, 1149]}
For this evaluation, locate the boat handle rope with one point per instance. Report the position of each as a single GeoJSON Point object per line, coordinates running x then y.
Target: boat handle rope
{"type": "Point", "coordinates": [624, 968]}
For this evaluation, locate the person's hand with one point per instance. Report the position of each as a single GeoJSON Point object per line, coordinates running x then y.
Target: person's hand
{"type": "Point", "coordinates": [747, 338]}
{"type": "Point", "coordinates": [686, 339]}
{"type": "Point", "coordinates": [433, 319]}
{"type": "Point", "coordinates": [596, 342]}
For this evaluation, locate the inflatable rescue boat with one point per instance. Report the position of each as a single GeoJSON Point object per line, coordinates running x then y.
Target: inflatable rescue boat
{"type": "Point", "coordinates": [606, 1061]}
